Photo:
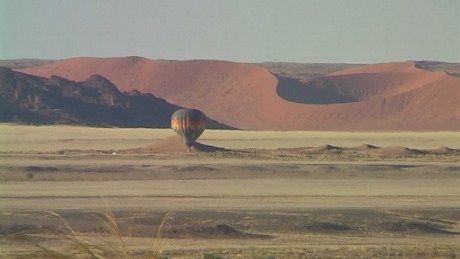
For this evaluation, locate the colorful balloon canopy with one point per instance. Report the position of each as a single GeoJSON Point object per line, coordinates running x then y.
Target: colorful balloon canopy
{"type": "Point", "coordinates": [189, 124]}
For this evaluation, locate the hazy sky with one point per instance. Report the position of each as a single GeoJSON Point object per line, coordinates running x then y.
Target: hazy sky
{"type": "Point", "coordinates": [365, 31]}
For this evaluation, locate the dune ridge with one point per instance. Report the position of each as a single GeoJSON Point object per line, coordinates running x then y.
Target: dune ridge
{"type": "Point", "coordinates": [364, 152]}
{"type": "Point", "coordinates": [390, 96]}
{"type": "Point", "coordinates": [171, 144]}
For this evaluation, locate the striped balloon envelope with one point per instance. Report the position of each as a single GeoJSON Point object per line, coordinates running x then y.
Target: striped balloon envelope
{"type": "Point", "coordinates": [189, 124]}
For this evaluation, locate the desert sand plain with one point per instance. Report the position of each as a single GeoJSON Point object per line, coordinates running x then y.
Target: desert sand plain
{"type": "Point", "coordinates": [245, 194]}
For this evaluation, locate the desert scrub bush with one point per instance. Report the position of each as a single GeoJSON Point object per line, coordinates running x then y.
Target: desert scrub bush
{"type": "Point", "coordinates": [210, 256]}
{"type": "Point", "coordinates": [111, 244]}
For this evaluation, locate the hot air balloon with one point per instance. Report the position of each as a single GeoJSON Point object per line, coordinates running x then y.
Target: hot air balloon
{"type": "Point", "coordinates": [188, 124]}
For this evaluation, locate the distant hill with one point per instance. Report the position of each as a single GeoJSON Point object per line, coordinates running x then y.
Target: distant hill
{"type": "Point", "coordinates": [452, 69]}
{"type": "Point", "coordinates": [307, 71]}
{"type": "Point", "coordinates": [301, 71]}
{"type": "Point", "coordinates": [23, 63]}
{"type": "Point", "coordinates": [96, 101]}
{"type": "Point", "coordinates": [388, 96]}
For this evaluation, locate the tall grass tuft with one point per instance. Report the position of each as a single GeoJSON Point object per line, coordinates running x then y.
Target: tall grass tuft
{"type": "Point", "coordinates": [159, 242]}
{"type": "Point", "coordinates": [111, 245]}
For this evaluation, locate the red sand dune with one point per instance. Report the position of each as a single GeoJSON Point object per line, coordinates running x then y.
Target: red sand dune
{"type": "Point", "coordinates": [391, 96]}
{"type": "Point", "coordinates": [171, 144]}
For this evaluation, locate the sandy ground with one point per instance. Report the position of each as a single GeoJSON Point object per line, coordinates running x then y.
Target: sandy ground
{"type": "Point", "coordinates": [393, 200]}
